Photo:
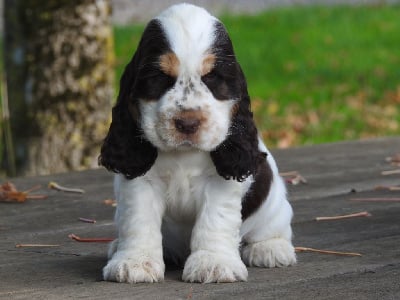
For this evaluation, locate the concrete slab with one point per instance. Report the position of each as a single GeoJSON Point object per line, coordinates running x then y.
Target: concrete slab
{"type": "Point", "coordinates": [335, 173]}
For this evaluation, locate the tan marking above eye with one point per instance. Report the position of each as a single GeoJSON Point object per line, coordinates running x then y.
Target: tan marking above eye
{"type": "Point", "coordinates": [169, 64]}
{"type": "Point", "coordinates": [208, 64]}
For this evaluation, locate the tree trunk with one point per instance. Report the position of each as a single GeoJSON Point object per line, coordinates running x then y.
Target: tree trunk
{"type": "Point", "coordinates": [59, 56]}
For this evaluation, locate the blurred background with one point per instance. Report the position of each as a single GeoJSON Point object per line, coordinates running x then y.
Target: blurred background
{"type": "Point", "coordinates": [317, 71]}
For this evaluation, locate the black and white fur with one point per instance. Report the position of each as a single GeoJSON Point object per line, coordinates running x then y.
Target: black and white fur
{"type": "Point", "coordinates": [195, 183]}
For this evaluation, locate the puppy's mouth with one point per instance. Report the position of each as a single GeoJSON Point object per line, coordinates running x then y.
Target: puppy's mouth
{"type": "Point", "coordinates": [186, 145]}
{"type": "Point", "coordinates": [184, 141]}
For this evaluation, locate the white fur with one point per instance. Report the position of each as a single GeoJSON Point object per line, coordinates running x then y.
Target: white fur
{"type": "Point", "coordinates": [201, 218]}
{"type": "Point", "coordinates": [190, 32]}
{"type": "Point", "coordinates": [181, 204]}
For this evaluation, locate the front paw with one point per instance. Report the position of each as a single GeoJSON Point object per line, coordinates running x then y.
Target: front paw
{"type": "Point", "coordinates": [133, 269]}
{"type": "Point", "coordinates": [205, 267]}
{"type": "Point", "coordinates": [271, 253]}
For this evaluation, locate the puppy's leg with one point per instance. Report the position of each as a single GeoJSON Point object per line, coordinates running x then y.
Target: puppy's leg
{"type": "Point", "coordinates": [137, 254]}
{"type": "Point", "coordinates": [267, 234]}
{"type": "Point", "coordinates": [215, 237]}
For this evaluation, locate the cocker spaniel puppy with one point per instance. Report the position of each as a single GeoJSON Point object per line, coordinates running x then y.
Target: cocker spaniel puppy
{"type": "Point", "coordinates": [195, 183]}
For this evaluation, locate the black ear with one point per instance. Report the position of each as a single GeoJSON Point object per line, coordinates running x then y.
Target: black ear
{"type": "Point", "coordinates": [125, 149]}
{"type": "Point", "coordinates": [238, 156]}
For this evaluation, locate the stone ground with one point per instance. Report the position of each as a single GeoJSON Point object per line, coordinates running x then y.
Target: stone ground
{"type": "Point", "coordinates": [336, 173]}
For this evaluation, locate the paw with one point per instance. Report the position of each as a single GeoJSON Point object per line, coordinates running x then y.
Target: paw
{"type": "Point", "coordinates": [205, 267]}
{"type": "Point", "coordinates": [132, 269]}
{"type": "Point", "coordinates": [270, 253]}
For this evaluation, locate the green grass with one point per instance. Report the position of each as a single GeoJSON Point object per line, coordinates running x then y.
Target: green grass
{"type": "Point", "coordinates": [286, 52]}
{"type": "Point", "coordinates": [315, 74]}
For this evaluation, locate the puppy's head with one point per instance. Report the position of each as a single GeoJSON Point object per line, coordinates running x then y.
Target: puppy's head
{"type": "Point", "coordinates": [182, 90]}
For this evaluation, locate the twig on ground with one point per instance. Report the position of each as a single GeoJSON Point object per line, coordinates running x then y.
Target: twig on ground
{"type": "Point", "coordinates": [86, 220]}
{"type": "Point", "coordinates": [389, 188]}
{"type": "Point", "coordinates": [56, 186]}
{"type": "Point", "coordinates": [359, 214]}
{"type": "Point", "coordinates": [289, 173]}
{"type": "Point", "coordinates": [32, 189]}
{"type": "Point", "coordinates": [376, 199]}
{"type": "Point", "coordinates": [90, 240]}
{"type": "Point", "coordinates": [307, 249]}
{"type": "Point", "coordinates": [293, 177]}
{"type": "Point", "coordinates": [390, 172]}
{"type": "Point", "coordinates": [35, 245]}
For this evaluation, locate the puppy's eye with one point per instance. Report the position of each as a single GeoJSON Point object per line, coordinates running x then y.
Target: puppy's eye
{"type": "Point", "coordinates": [213, 80]}
{"type": "Point", "coordinates": [153, 84]}
{"type": "Point", "coordinates": [210, 77]}
{"type": "Point", "coordinates": [218, 84]}
{"type": "Point", "coordinates": [155, 75]}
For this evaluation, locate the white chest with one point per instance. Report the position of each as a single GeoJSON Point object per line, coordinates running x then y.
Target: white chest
{"type": "Point", "coordinates": [183, 181]}
{"type": "Point", "coordinates": [183, 177]}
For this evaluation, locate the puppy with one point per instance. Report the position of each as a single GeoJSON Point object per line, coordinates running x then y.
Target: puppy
{"type": "Point", "coordinates": [194, 184]}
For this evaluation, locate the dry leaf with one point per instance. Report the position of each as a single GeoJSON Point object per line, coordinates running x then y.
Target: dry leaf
{"type": "Point", "coordinates": [293, 177]}
{"type": "Point", "coordinates": [110, 202]}
{"type": "Point", "coordinates": [9, 193]}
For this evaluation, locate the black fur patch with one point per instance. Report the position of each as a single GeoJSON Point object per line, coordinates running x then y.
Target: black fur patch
{"type": "Point", "coordinates": [258, 191]}
{"type": "Point", "coordinates": [222, 80]}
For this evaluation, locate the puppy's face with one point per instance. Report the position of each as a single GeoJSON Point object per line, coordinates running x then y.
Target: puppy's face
{"type": "Point", "coordinates": [183, 89]}
{"type": "Point", "coordinates": [187, 82]}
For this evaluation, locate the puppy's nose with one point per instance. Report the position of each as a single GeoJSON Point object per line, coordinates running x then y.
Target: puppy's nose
{"type": "Point", "coordinates": [187, 125]}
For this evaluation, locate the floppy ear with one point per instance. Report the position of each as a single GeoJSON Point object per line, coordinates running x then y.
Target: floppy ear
{"type": "Point", "coordinates": [238, 156]}
{"type": "Point", "coordinates": [125, 149]}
